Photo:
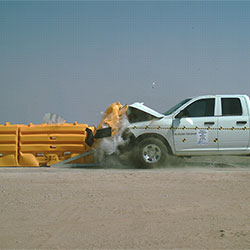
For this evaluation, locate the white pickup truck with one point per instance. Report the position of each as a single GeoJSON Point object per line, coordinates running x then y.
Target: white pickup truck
{"type": "Point", "coordinates": [204, 125]}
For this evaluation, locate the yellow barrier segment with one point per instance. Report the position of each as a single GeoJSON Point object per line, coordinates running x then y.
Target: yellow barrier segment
{"type": "Point", "coordinates": [8, 145]}
{"type": "Point", "coordinates": [47, 144]}
{"type": "Point", "coordinates": [43, 144]}
{"type": "Point", "coordinates": [112, 117]}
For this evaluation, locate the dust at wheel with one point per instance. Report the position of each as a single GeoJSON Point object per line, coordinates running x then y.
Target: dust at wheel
{"type": "Point", "coordinates": [150, 152]}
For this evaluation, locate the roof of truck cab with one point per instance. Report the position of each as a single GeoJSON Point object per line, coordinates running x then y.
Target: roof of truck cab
{"type": "Point", "coordinates": [234, 95]}
{"type": "Point", "coordinates": [223, 95]}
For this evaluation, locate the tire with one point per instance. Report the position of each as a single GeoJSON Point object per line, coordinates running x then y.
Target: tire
{"type": "Point", "coordinates": [150, 153]}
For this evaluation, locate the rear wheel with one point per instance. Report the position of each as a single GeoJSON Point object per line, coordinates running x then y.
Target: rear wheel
{"type": "Point", "coordinates": [150, 153]}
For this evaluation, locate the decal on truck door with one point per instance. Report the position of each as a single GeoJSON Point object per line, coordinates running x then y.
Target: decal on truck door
{"type": "Point", "coordinates": [202, 137]}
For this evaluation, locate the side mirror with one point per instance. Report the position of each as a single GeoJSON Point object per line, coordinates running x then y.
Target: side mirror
{"type": "Point", "coordinates": [181, 114]}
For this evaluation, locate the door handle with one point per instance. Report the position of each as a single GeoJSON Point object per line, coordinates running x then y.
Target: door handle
{"type": "Point", "coordinates": [208, 123]}
{"type": "Point", "coordinates": [241, 122]}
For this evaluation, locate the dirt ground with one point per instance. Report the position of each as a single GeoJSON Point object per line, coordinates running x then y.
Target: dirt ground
{"type": "Point", "coordinates": [169, 208]}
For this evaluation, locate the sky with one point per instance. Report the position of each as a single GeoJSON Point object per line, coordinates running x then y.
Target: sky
{"type": "Point", "coordinates": [75, 58]}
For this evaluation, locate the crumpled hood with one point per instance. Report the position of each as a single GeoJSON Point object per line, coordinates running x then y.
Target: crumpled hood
{"type": "Point", "coordinates": [146, 109]}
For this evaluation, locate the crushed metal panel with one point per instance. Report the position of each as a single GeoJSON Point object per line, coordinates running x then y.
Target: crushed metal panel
{"type": "Point", "coordinates": [146, 109]}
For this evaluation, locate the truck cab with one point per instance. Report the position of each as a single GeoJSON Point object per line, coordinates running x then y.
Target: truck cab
{"type": "Point", "coordinates": [204, 125]}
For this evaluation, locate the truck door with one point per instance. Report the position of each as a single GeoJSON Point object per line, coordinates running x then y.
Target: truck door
{"type": "Point", "coordinates": [233, 130]}
{"type": "Point", "coordinates": [194, 128]}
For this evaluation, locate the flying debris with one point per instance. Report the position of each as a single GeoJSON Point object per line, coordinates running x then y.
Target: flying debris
{"type": "Point", "coordinates": [51, 118]}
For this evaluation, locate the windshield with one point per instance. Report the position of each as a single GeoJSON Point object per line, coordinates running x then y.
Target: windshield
{"type": "Point", "coordinates": [170, 111]}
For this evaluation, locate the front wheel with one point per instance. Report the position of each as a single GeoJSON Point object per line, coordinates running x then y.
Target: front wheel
{"type": "Point", "coordinates": [150, 153]}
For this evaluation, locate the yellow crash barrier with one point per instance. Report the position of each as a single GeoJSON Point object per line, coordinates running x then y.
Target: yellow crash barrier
{"type": "Point", "coordinates": [42, 145]}
{"type": "Point", "coordinates": [46, 144]}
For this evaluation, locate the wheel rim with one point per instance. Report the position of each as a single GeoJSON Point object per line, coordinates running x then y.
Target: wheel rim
{"type": "Point", "coordinates": [151, 153]}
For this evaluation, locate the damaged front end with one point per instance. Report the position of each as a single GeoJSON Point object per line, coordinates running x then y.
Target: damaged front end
{"type": "Point", "coordinates": [113, 120]}
{"type": "Point", "coordinates": [114, 129]}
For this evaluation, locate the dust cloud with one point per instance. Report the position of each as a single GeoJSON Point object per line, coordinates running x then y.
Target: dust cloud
{"type": "Point", "coordinates": [125, 161]}
{"type": "Point", "coordinates": [52, 118]}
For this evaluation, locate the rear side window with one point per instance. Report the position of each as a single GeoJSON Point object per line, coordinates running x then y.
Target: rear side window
{"type": "Point", "coordinates": [231, 106]}
{"type": "Point", "coordinates": [201, 108]}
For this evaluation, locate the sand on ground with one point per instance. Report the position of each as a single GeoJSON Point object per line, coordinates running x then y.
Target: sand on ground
{"type": "Point", "coordinates": [180, 208]}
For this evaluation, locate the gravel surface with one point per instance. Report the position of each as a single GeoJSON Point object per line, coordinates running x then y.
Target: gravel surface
{"type": "Point", "coordinates": [181, 208]}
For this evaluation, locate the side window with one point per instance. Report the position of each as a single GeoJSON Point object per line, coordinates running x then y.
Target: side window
{"type": "Point", "coordinates": [231, 106]}
{"type": "Point", "coordinates": [201, 108]}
